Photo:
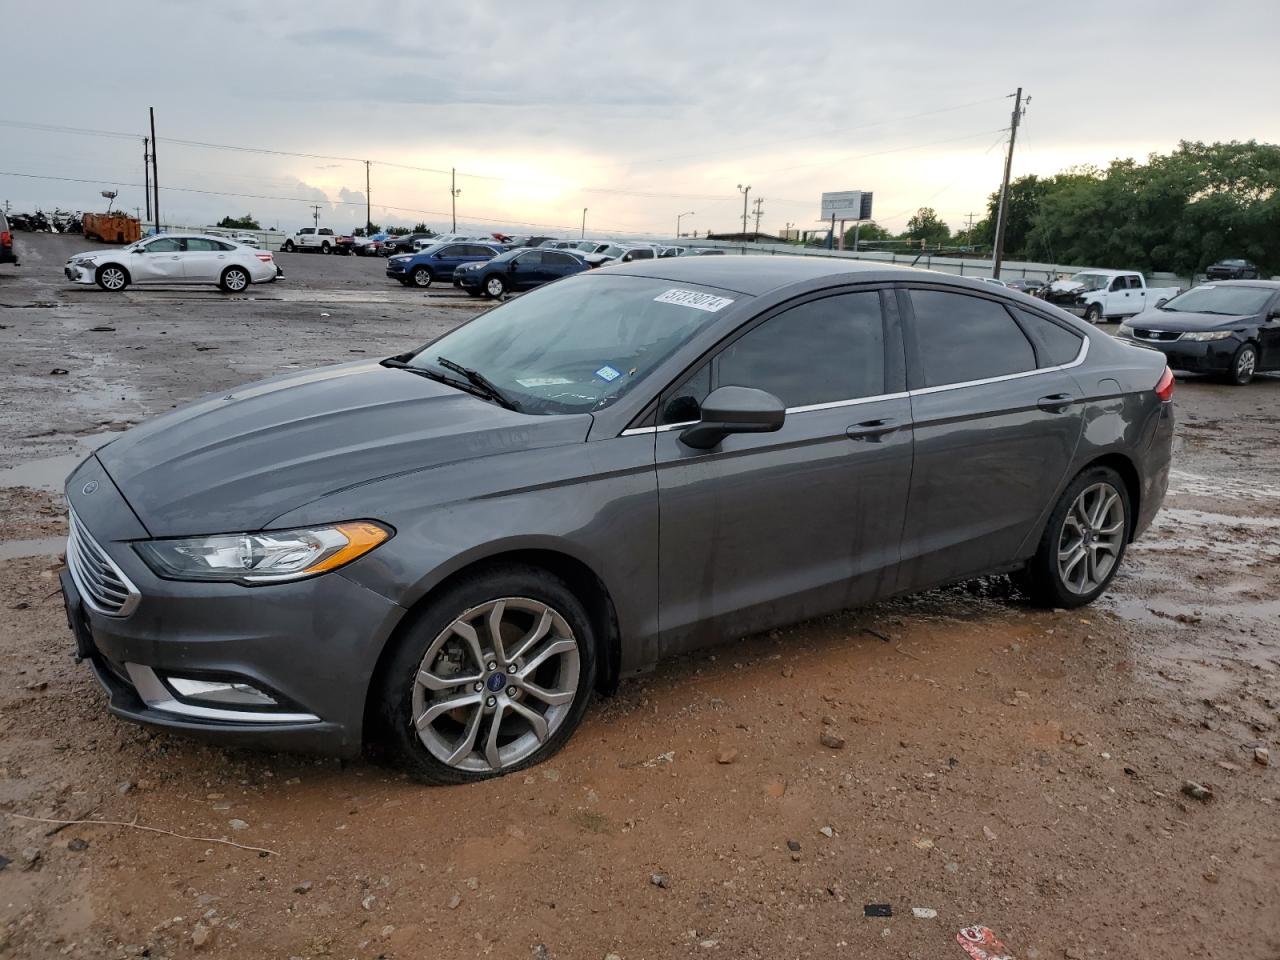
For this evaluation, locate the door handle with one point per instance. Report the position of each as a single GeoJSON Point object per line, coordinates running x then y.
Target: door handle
{"type": "Point", "coordinates": [1055, 403]}
{"type": "Point", "coordinates": [872, 430]}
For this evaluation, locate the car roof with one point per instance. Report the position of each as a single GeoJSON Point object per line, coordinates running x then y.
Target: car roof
{"type": "Point", "coordinates": [755, 275]}
{"type": "Point", "coordinates": [1264, 284]}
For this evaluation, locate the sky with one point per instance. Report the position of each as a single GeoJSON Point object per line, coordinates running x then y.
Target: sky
{"type": "Point", "coordinates": [636, 112]}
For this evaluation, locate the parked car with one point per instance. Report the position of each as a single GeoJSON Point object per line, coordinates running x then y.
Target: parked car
{"type": "Point", "coordinates": [1024, 285]}
{"type": "Point", "coordinates": [245, 239]}
{"type": "Point", "coordinates": [994, 281]}
{"type": "Point", "coordinates": [313, 239]}
{"type": "Point", "coordinates": [7, 252]}
{"type": "Point", "coordinates": [622, 253]}
{"type": "Point", "coordinates": [173, 258]}
{"type": "Point", "coordinates": [449, 550]}
{"type": "Point", "coordinates": [1232, 270]}
{"type": "Point", "coordinates": [1230, 329]}
{"type": "Point", "coordinates": [1102, 295]}
{"type": "Point", "coordinates": [589, 247]}
{"type": "Point", "coordinates": [703, 252]}
{"type": "Point", "coordinates": [437, 262]}
{"type": "Point", "coordinates": [403, 243]}
{"type": "Point", "coordinates": [518, 270]}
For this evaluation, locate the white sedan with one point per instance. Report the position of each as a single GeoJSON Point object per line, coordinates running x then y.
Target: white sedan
{"type": "Point", "coordinates": [174, 258]}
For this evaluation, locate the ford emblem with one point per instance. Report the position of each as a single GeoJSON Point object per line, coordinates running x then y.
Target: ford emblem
{"type": "Point", "coordinates": [89, 487]}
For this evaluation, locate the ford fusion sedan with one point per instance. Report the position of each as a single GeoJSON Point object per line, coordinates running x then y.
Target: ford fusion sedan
{"type": "Point", "coordinates": [447, 552]}
{"type": "Point", "coordinates": [1230, 329]}
{"type": "Point", "coordinates": [174, 258]}
{"type": "Point", "coordinates": [518, 270]}
{"type": "Point", "coordinates": [437, 262]}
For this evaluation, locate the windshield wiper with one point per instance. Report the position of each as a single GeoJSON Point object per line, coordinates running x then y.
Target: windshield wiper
{"type": "Point", "coordinates": [397, 363]}
{"type": "Point", "coordinates": [480, 381]}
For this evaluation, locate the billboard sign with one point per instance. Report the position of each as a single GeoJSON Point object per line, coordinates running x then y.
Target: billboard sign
{"type": "Point", "coordinates": [847, 205]}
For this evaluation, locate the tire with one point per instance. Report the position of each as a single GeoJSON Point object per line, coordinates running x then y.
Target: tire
{"type": "Point", "coordinates": [495, 288]}
{"type": "Point", "coordinates": [458, 746]}
{"type": "Point", "coordinates": [1243, 365]}
{"type": "Point", "coordinates": [288, 246]}
{"type": "Point", "coordinates": [326, 249]}
{"type": "Point", "coordinates": [1075, 521]}
{"type": "Point", "coordinates": [235, 280]}
{"type": "Point", "coordinates": [421, 277]}
{"type": "Point", "coordinates": [1093, 314]}
{"type": "Point", "coordinates": [112, 277]}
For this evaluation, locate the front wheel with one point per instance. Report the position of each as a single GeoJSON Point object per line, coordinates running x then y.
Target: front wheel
{"type": "Point", "coordinates": [492, 677]}
{"type": "Point", "coordinates": [1244, 365]}
{"type": "Point", "coordinates": [495, 287]}
{"type": "Point", "coordinates": [1093, 314]}
{"type": "Point", "coordinates": [112, 278]}
{"type": "Point", "coordinates": [234, 280]}
{"type": "Point", "coordinates": [1083, 542]}
{"type": "Point", "coordinates": [422, 277]}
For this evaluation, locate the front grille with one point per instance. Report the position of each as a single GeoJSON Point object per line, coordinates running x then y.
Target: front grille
{"type": "Point", "coordinates": [1160, 336]}
{"type": "Point", "coordinates": [103, 586]}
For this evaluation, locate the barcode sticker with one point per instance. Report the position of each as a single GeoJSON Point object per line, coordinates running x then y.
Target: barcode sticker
{"type": "Point", "coordinates": [692, 298]}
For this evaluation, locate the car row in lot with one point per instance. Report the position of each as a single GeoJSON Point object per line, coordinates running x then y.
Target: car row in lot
{"type": "Point", "coordinates": [1230, 329]}
{"type": "Point", "coordinates": [516, 271]}
{"type": "Point", "coordinates": [174, 258]}
{"type": "Point", "coordinates": [448, 550]}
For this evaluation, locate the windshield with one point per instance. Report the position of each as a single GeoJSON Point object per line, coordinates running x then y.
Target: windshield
{"type": "Point", "coordinates": [586, 246]}
{"type": "Point", "coordinates": [1228, 301]}
{"type": "Point", "coordinates": [579, 344]}
{"type": "Point", "coordinates": [1091, 281]}
{"type": "Point", "coordinates": [613, 251]}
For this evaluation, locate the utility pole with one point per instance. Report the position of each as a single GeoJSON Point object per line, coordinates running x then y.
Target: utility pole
{"type": "Point", "coordinates": [583, 235]}
{"type": "Point", "coordinates": [1003, 210]}
{"type": "Point", "coordinates": [368, 203]}
{"type": "Point", "coordinates": [759, 211]}
{"type": "Point", "coordinates": [746, 192]}
{"type": "Point", "coordinates": [681, 216]}
{"type": "Point", "coordinates": [155, 172]}
{"type": "Point", "coordinates": [146, 172]}
{"type": "Point", "coordinates": [453, 196]}
{"type": "Point", "coordinates": [315, 214]}
{"type": "Point", "coordinates": [968, 229]}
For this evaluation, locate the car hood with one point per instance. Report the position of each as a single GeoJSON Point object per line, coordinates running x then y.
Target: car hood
{"type": "Point", "coordinates": [238, 460]}
{"type": "Point", "coordinates": [1171, 320]}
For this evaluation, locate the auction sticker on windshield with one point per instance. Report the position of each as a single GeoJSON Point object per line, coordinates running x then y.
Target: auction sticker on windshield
{"type": "Point", "coordinates": [692, 298]}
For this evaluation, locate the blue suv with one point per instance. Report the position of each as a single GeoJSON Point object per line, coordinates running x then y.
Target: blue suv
{"type": "Point", "coordinates": [438, 262]}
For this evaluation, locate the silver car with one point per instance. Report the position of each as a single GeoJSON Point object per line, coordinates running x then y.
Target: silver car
{"type": "Point", "coordinates": [173, 258]}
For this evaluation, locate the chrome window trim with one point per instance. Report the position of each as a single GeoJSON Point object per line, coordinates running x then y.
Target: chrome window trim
{"type": "Point", "coordinates": [922, 391]}
{"type": "Point", "coordinates": [75, 560]}
{"type": "Point", "coordinates": [157, 697]}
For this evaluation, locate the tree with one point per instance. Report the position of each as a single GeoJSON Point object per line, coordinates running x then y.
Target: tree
{"type": "Point", "coordinates": [423, 228]}
{"type": "Point", "coordinates": [925, 225]}
{"type": "Point", "coordinates": [870, 233]}
{"type": "Point", "coordinates": [239, 223]}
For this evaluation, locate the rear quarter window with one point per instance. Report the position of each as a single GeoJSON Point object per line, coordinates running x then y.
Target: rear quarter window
{"type": "Point", "coordinates": [1055, 345]}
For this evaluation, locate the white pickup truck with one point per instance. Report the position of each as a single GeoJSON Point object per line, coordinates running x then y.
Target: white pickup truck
{"type": "Point", "coordinates": [1101, 295]}
{"type": "Point", "coordinates": [311, 238]}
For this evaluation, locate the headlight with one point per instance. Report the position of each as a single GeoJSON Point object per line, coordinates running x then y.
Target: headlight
{"type": "Point", "coordinates": [267, 557]}
{"type": "Point", "coordinates": [1204, 335]}
{"type": "Point", "coordinates": [1125, 331]}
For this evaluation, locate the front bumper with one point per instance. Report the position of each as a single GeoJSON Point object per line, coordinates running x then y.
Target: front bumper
{"type": "Point", "coordinates": [468, 279]}
{"type": "Point", "coordinates": [78, 273]}
{"type": "Point", "coordinates": [397, 271]}
{"type": "Point", "coordinates": [1190, 356]}
{"type": "Point", "coordinates": [312, 645]}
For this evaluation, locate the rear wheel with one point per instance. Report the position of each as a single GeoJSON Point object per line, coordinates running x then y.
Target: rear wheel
{"type": "Point", "coordinates": [325, 248]}
{"type": "Point", "coordinates": [1083, 542]}
{"type": "Point", "coordinates": [495, 287]}
{"type": "Point", "coordinates": [112, 278]}
{"type": "Point", "coordinates": [288, 246]}
{"type": "Point", "coordinates": [492, 677]}
{"type": "Point", "coordinates": [1244, 365]}
{"type": "Point", "coordinates": [235, 279]}
{"type": "Point", "coordinates": [422, 277]}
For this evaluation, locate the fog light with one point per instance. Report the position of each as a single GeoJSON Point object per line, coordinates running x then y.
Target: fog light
{"type": "Point", "coordinates": [222, 692]}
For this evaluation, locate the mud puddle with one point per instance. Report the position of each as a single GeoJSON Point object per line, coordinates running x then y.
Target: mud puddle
{"type": "Point", "coordinates": [49, 473]}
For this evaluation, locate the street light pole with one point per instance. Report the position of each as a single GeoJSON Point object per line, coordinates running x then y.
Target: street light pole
{"type": "Point", "coordinates": [746, 192]}
{"type": "Point", "coordinates": [583, 235]}
{"type": "Point", "coordinates": [681, 216]}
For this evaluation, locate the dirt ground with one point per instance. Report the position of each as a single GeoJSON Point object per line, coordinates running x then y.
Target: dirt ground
{"type": "Point", "coordinates": [1004, 766]}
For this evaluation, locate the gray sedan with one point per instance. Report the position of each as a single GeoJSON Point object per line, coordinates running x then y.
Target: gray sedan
{"type": "Point", "coordinates": [449, 550]}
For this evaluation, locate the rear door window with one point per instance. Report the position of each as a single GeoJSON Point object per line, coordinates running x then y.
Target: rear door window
{"type": "Point", "coordinates": [531, 259]}
{"type": "Point", "coordinates": [960, 338]}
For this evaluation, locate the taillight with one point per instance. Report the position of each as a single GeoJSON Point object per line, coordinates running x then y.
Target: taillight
{"type": "Point", "coordinates": [264, 257]}
{"type": "Point", "coordinates": [6, 239]}
{"type": "Point", "coordinates": [1164, 389]}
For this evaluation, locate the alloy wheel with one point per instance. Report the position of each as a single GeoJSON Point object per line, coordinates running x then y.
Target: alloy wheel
{"type": "Point", "coordinates": [496, 684]}
{"type": "Point", "coordinates": [1246, 365]}
{"type": "Point", "coordinates": [494, 287]}
{"type": "Point", "coordinates": [236, 280]}
{"type": "Point", "coordinates": [1092, 538]}
{"type": "Point", "coordinates": [113, 278]}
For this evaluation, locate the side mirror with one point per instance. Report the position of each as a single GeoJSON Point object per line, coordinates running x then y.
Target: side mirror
{"type": "Point", "coordinates": [734, 410]}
